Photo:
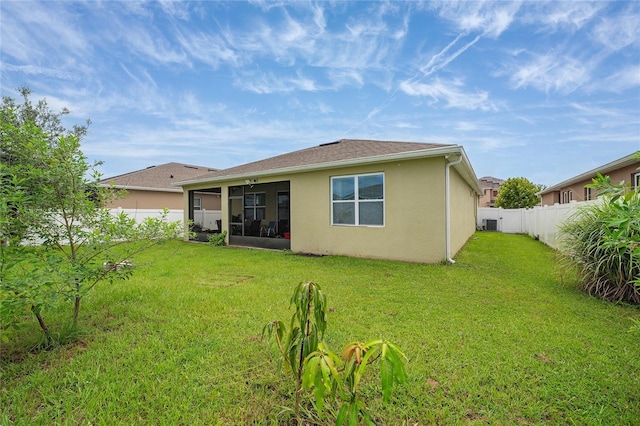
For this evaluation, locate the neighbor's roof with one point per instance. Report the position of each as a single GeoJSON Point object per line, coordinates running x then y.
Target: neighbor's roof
{"type": "Point", "coordinates": [604, 169]}
{"type": "Point", "coordinates": [345, 152]}
{"type": "Point", "coordinates": [156, 178]}
{"type": "Point", "coordinates": [490, 182]}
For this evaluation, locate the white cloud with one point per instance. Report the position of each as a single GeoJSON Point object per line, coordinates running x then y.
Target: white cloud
{"type": "Point", "coordinates": [175, 9]}
{"type": "Point", "coordinates": [590, 111]}
{"type": "Point", "coordinates": [496, 143]}
{"type": "Point", "coordinates": [318, 18]}
{"type": "Point", "coordinates": [451, 93]}
{"type": "Point", "coordinates": [562, 15]}
{"type": "Point", "coordinates": [210, 49]}
{"type": "Point", "coordinates": [265, 83]}
{"type": "Point", "coordinates": [34, 32]}
{"type": "Point", "coordinates": [550, 72]}
{"type": "Point", "coordinates": [488, 18]}
{"type": "Point", "coordinates": [404, 125]}
{"type": "Point", "coordinates": [345, 77]}
{"type": "Point", "coordinates": [43, 71]}
{"type": "Point", "coordinates": [154, 46]}
{"type": "Point", "coordinates": [618, 32]}
{"type": "Point", "coordinates": [624, 79]}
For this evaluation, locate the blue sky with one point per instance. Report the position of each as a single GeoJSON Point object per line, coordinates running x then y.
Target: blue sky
{"type": "Point", "coordinates": [544, 90]}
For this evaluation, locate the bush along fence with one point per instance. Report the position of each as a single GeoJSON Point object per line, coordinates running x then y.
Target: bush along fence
{"type": "Point", "coordinates": [205, 219]}
{"type": "Point", "coordinates": [539, 222]}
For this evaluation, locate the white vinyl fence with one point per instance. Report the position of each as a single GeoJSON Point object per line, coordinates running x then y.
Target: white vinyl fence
{"type": "Point", "coordinates": [141, 214]}
{"type": "Point", "coordinates": [539, 222]}
{"type": "Point", "coordinates": [205, 218]}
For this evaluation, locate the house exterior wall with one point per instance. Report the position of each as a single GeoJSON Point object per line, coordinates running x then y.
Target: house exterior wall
{"type": "Point", "coordinates": [577, 189]}
{"type": "Point", "coordinates": [414, 214]}
{"type": "Point", "coordinates": [138, 199]}
{"type": "Point", "coordinates": [414, 225]}
{"type": "Point", "coordinates": [464, 210]}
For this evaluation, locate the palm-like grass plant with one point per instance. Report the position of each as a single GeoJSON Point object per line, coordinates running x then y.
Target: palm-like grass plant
{"type": "Point", "coordinates": [602, 241]}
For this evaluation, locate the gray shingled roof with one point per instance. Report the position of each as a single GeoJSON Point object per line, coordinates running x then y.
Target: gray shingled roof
{"type": "Point", "coordinates": [344, 149]}
{"type": "Point", "coordinates": [159, 177]}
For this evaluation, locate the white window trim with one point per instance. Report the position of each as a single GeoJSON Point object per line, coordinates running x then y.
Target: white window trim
{"type": "Point", "coordinates": [197, 203]}
{"type": "Point", "coordinates": [357, 202]}
{"type": "Point", "coordinates": [255, 206]}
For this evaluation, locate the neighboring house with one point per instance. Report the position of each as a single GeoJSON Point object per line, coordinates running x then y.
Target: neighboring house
{"type": "Point", "coordinates": [574, 189]}
{"type": "Point", "coordinates": [393, 200]}
{"type": "Point", "coordinates": [154, 188]}
{"type": "Point", "coordinates": [490, 187]}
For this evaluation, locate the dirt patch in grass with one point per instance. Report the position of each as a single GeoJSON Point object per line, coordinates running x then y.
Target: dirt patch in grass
{"type": "Point", "coordinates": [225, 280]}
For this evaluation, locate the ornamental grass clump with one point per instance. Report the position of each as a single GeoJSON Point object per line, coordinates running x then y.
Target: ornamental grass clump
{"type": "Point", "coordinates": [602, 241]}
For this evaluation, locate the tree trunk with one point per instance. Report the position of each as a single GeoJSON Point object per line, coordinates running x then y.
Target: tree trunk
{"type": "Point", "coordinates": [43, 326]}
{"type": "Point", "coordinates": [76, 311]}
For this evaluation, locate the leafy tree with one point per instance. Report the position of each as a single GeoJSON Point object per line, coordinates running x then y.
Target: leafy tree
{"type": "Point", "coordinates": [29, 132]}
{"type": "Point", "coordinates": [518, 193]}
{"type": "Point", "coordinates": [58, 241]}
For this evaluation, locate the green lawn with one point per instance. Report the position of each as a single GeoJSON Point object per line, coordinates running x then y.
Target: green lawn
{"type": "Point", "coordinates": [497, 338]}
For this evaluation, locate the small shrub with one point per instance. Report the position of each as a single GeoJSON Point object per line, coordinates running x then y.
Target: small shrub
{"type": "Point", "coordinates": [218, 240]}
{"type": "Point", "coordinates": [316, 368]}
{"type": "Point", "coordinates": [603, 242]}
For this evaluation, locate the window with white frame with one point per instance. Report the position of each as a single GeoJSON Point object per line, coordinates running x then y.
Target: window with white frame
{"type": "Point", "coordinates": [358, 200]}
{"type": "Point", "coordinates": [587, 193]}
{"type": "Point", "coordinates": [197, 203]}
{"type": "Point", "coordinates": [255, 206]}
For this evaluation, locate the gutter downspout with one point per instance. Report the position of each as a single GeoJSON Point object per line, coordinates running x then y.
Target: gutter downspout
{"type": "Point", "coordinates": [447, 205]}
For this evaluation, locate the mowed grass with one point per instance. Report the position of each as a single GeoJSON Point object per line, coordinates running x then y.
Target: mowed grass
{"type": "Point", "coordinates": [497, 338]}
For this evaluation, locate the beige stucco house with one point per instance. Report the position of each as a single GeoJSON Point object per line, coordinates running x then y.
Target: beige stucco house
{"type": "Point", "coordinates": [153, 188]}
{"type": "Point", "coordinates": [624, 169]}
{"type": "Point", "coordinates": [377, 199]}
